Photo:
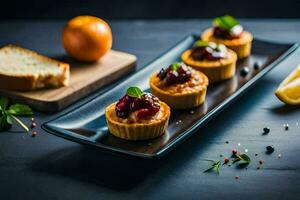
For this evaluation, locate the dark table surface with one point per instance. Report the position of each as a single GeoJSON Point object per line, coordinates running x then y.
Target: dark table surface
{"type": "Point", "coordinates": [48, 167]}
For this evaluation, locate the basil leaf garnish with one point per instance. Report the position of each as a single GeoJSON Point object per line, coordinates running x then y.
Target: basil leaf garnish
{"type": "Point", "coordinates": [201, 43]}
{"type": "Point", "coordinates": [134, 92]}
{"type": "Point", "coordinates": [8, 114]}
{"type": "Point", "coordinates": [215, 166]}
{"type": "Point", "coordinates": [20, 110]}
{"type": "Point", "coordinates": [225, 22]}
{"type": "Point", "coordinates": [243, 158]}
{"type": "Point", "coordinates": [212, 45]}
{"type": "Point", "coordinates": [3, 103]}
{"type": "Point", "coordinates": [175, 66]}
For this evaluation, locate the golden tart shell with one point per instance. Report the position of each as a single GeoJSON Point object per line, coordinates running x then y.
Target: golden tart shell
{"type": "Point", "coordinates": [215, 70]}
{"type": "Point", "coordinates": [180, 100]}
{"type": "Point", "coordinates": [138, 130]}
{"type": "Point", "coordinates": [241, 45]}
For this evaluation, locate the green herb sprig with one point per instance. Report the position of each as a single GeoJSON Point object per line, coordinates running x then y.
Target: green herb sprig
{"type": "Point", "coordinates": [134, 92]}
{"type": "Point", "coordinates": [225, 22]}
{"type": "Point", "coordinates": [212, 45]}
{"type": "Point", "coordinates": [175, 66]}
{"type": "Point", "coordinates": [242, 159]}
{"type": "Point", "coordinates": [215, 166]}
{"type": "Point", "coordinates": [10, 113]}
{"type": "Point", "coordinates": [201, 43]}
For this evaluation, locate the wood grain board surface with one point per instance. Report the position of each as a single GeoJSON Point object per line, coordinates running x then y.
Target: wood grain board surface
{"type": "Point", "coordinates": [85, 78]}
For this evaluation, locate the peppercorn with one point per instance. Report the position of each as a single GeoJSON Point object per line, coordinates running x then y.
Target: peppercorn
{"type": "Point", "coordinates": [33, 134]}
{"type": "Point", "coordinates": [256, 65]}
{"type": "Point", "coordinates": [279, 156]}
{"type": "Point", "coordinates": [261, 162]}
{"type": "Point", "coordinates": [33, 125]}
{"type": "Point", "coordinates": [244, 72]}
{"type": "Point", "coordinates": [270, 149]}
{"type": "Point", "coordinates": [266, 130]}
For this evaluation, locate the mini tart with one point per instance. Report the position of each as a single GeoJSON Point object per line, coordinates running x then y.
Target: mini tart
{"type": "Point", "coordinates": [215, 70]}
{"type": "Point", "coordinates": [181, 95]}
{"type": "Point", "coordinates": [141, 129]}
{"type": "Point", "coordinates": [241, 45]}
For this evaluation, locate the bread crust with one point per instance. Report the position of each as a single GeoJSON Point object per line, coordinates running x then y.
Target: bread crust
{"type": "Point", "coordinates": [35, 81]}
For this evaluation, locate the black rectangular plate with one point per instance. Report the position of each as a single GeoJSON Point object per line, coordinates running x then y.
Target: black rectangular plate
{"type": "Point", "coordinates": [86, 124]}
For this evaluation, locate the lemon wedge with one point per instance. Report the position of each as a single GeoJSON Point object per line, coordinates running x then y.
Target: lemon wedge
{"type": "Point", "coordinates": [289, 90]}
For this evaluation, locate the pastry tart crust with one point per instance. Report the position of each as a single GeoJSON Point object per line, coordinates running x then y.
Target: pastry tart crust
{"type": "Point", "coordinates": [216, 70]}
{"type": "Point", "coordinates": [146, 129]}
{"type": "Point", "coordinates": [241, 45]}
{"type": "Point", "coordinates": [181, 96]}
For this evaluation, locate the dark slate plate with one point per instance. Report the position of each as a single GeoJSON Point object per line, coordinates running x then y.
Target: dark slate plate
{"type": "Point", "coordinates": [86, 124]}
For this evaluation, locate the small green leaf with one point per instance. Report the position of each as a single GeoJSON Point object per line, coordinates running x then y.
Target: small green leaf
{"type": "Point", "coordinates": [201, 43]}
{"type": "Point", "coordinates": [243, 158]}
{"type": "Point", "coordinates": [175, 66]}
{"type": "Point", "coordinates": [212, 45]}
{"type": "Point", "coordinates": [9, 119]}
{"type": "Point", "coordinates": [20, 110]}
{"type": "Point", "coordinates": [5, 123]}
{"type": "Point", "coordinates": [226, 22]}
{"type": "Point", "coordinates": [8, 115]}
{"type": "Point", "coordinates": [215, 166]}
{"type": "Point", "coordinates": [3, 103]}
{"type": "Point", "coordinates": [209, 169]}
{"type": "Point", "coordinates": [134, 92]}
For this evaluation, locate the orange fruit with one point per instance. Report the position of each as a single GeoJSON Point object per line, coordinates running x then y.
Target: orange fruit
{"type": "Point", "coordinates": [289, 90]}
{"type": "Point", "coordinates": [87, 38]}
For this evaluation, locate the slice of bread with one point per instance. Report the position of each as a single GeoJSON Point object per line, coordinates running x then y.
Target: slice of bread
{"type": "Point", "coordinates": [23, 69]}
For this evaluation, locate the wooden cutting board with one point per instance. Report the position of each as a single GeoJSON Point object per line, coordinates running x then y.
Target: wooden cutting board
{"type": "Point", "coordinates": [85, 78]}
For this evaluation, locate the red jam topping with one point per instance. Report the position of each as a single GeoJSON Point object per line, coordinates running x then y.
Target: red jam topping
{"type": "Point", "coordinates": [144, 106]}
{"type": "Point", "coordinates": [231, 34]}
{"type": "Point", "coordinates": [208, 51]}
{"type": "Point", "coordinates": [175, 73]}
{"type": "Point", "coordinates": [226, 27]}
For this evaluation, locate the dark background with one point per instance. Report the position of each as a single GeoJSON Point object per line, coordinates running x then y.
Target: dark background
{"type": "Point", "coordinates": [148, 9]}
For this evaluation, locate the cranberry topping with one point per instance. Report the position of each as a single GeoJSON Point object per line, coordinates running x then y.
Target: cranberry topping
{"type": "Point", "coordinates": [123, 106]}
{"type": "Point", "coordinates": [145, 106]}
{"type": "Point", "coordinates": [233, 33]}
{"type": "Point", "coordinates": [210, 51]}
{"type": "Point", "coordinates": [175, 73]}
